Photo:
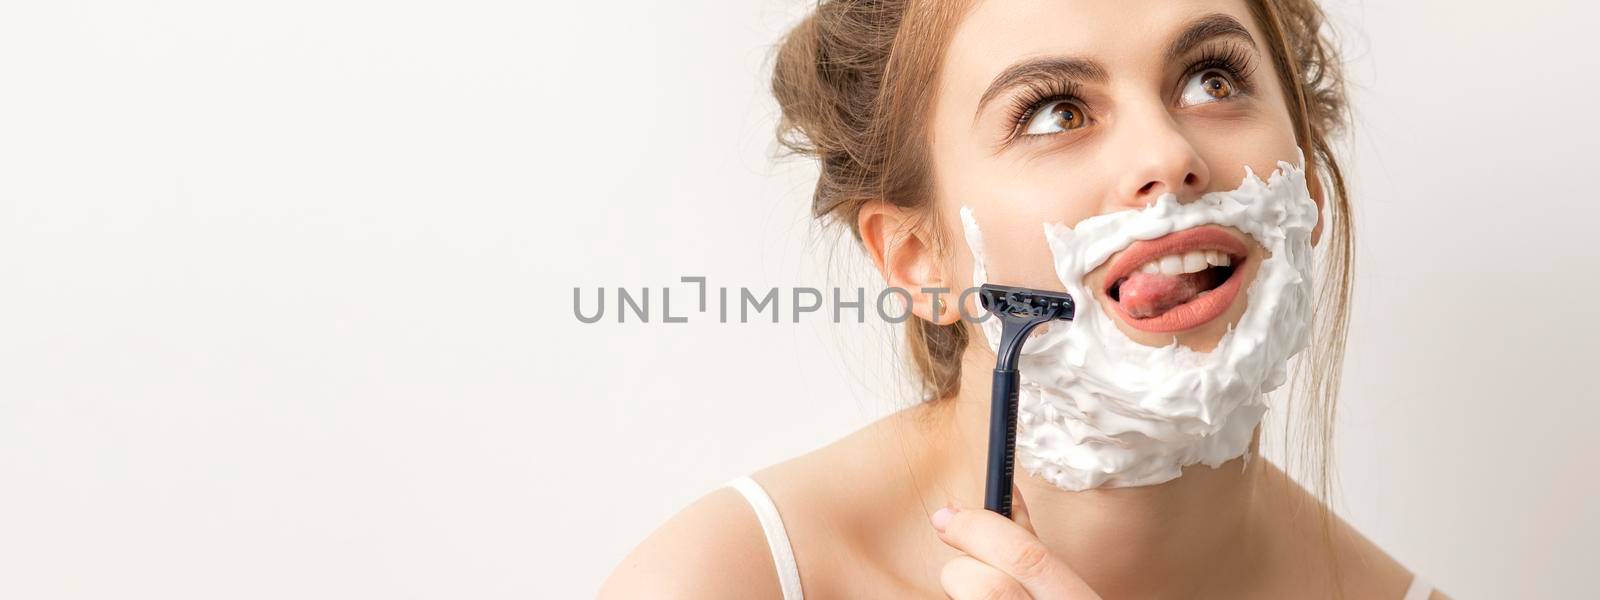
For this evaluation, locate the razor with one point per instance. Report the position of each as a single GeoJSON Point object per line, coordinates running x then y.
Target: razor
{"type": "Point", "coordinates": [1020, 310]}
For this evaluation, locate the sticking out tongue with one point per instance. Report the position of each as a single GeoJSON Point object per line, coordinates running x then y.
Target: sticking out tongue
{"type": "Point", "coordinates": [1147, 295]}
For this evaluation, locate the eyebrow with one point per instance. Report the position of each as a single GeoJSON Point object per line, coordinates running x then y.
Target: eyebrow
{"type": "Point", "coordinates": [1202, 30]}
{"type": "Point", "coordinates": [1049, 67]}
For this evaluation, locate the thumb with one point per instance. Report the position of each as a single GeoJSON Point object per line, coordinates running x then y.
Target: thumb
{"type": "Point", "coordinates": [1019, 510]}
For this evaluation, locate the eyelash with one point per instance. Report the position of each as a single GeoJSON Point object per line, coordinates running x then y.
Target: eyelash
{"type": "Point", "coordinates": [1035, 96]}
{"type": "Point", "coordinates": [1233, 60]}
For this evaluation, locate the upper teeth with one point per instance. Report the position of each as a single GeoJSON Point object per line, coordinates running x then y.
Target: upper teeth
{"type": "Point", "coordinates": [1193, 261]}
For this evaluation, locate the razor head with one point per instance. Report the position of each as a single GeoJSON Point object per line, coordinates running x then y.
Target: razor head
{"type": "Point", "coordinates": [1020, 311]}
{"type": "Point", "coordinates": [1026, 303]}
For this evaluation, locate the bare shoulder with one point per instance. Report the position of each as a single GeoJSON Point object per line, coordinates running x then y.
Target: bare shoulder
{"type": "Point", "coordinates": [852, 506]}
{"type": "Point", "coordinates": [714, 548]}
{"type": "Point", "coordinates": [1344, 558]}
{"type": "Point", "coordinates": [835, 503]}
{"type": "Point", "coordinates": [1371, 569]}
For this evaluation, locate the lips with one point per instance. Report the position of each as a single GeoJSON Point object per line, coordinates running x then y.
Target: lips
{"type": "Point", "coordinates": [1178, 281]}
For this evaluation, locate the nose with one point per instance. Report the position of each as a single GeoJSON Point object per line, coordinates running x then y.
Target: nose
{"type": "Point", "coordinates": [1162, 159]}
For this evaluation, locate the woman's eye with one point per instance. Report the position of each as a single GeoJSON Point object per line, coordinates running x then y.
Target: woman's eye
{"type": "Point", "coordinates": [1056, 117]}
{"type": "Point", "coordinates": [1207, 86]}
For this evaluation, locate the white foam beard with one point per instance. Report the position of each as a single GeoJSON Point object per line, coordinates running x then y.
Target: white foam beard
{"type": "Point", "coordinates": [1097, 409]}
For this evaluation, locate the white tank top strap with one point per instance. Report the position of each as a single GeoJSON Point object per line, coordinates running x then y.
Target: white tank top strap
{"type": "Point", "coordinates": [1419, 590]}
{"type": "Point", "coordinates": [777, 538]}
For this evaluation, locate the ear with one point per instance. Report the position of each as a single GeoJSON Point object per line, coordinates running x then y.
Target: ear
{"type": "Point", "coordinates": [1314, 184]}
{"type": "Point", "coordinates": [907, 258]}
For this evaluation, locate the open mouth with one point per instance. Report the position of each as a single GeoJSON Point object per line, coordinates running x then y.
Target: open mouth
{"type": "Point", "coordinates": [1178, 281]}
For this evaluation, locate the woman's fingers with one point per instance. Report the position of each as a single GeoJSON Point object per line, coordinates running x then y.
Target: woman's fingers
{"type": "Point", "coordinates": [1016, 552]}
{"type": "Point", "coordinates": [1019, 510]}
{"type": "Point", "coordinates": [967, 578]}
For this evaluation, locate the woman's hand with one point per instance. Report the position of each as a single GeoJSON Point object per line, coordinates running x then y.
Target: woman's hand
{"type": "Point", "coordinates": [1004, 558]}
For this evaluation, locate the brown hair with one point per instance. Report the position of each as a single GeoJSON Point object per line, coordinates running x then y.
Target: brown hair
{"type": "Point", "coordinates": [843, 77]}
{"type": "Point", "coordinates": [847, 74]}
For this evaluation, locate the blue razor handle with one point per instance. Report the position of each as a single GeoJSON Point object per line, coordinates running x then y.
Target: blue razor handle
{"type": "Point", "coordinates": [1020, 310]}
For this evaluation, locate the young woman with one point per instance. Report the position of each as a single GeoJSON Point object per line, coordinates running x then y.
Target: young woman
{"type": "Point", "coordinates": [948, 133]}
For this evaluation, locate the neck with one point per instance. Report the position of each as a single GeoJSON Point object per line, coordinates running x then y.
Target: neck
{"type": "Point", "coordinates": [1192, 532]}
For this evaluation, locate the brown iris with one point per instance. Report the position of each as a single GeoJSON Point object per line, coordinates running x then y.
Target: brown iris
{"type": "Point", "coordinates": [1216, 85]}
{"type": "Point", "coordinates": [1067, 115]}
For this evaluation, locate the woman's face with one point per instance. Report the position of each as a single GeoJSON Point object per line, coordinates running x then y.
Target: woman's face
{"type": "Point", "coordinates": [1053, 111]}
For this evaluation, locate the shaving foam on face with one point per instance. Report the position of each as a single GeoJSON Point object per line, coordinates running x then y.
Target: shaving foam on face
{"type": "Point", "coordinates": [1097, 409]}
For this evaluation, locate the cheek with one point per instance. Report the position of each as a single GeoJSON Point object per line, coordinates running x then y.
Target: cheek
{"type": "Point", "coordinates": [1258, 142]}
{"type": "Point", "coordinates": [1011, 210]}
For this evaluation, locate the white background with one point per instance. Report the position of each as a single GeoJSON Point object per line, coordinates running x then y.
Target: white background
{"type": "Point", "coordinates": [286, 293]}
